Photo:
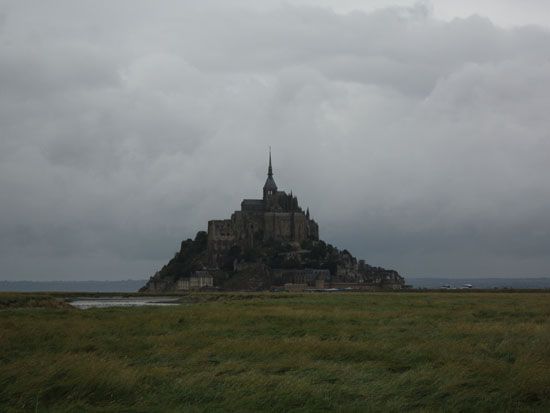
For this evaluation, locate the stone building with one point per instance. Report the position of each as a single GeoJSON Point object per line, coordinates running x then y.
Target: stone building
{"type": "Point", "coordinates": [310, 277]}
{"type": "Point", "coordinates": [277, 216]}
{"type": "Point", "coordinates": [198, 280]}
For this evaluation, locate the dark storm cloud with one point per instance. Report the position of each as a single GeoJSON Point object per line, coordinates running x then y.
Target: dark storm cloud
{"type": "Point", "coordinates": [418, 143]}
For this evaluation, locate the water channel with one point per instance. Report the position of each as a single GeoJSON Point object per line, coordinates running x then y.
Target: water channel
{"type": "Point", "coordinates": [105, 302]}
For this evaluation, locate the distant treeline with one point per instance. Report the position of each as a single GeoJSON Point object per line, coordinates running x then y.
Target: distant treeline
{"type": "Point", "coordinates": [79, 286]}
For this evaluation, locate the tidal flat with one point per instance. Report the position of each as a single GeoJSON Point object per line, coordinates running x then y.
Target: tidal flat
{"type": "Point", "coordinates": [461, 351]}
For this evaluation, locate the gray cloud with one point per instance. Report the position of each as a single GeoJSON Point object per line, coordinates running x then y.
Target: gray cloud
{"type": "Point", "coordinates": [418, 143]}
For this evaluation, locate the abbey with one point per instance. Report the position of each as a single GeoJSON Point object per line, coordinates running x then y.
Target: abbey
{"type": "Point", "coordinates": [277, 216]}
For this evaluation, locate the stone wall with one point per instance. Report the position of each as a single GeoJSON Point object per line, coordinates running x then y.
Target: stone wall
{"type": "Point", "coordinates": [285, 226]}
{"type": "Point", "coordinates": [308, 276]}
{"type": "Point", "coordinates": [198, 280]}
{"type": "Point", "coordinates": [220, 238]}
{"type": "Point", "coordinates": [246, 227]}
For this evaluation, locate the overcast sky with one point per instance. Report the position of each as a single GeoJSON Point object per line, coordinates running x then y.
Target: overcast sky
{"type": "Point", "coordinates": [418, 133]}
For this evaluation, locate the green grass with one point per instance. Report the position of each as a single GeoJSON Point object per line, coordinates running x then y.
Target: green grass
{"type": "Point", "coordinates": [280, 352]}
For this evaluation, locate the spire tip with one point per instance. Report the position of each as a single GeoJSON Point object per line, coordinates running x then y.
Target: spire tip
{"type": "Point", "coordinates": [270, 169]}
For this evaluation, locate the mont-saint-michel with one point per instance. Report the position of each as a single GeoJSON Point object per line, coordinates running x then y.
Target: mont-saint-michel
{"type": "Point", "coordinates": [269, 243]}
{"type": "Point", "coordinates": [408, 134]}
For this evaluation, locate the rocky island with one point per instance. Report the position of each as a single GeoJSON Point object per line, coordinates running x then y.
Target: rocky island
{"type": "Point", "coordinates": [270, 243]}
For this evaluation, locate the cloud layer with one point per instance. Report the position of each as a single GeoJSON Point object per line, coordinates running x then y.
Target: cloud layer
{"type": "Point", "coordinates": [419, 144]}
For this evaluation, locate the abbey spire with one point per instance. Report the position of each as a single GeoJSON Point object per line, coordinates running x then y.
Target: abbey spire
{"type": "Point", "coordinates": [270, 187]}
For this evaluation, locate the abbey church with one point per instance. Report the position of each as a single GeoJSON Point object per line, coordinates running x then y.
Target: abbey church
{"type": "Point", "coordinates": [277, 216]}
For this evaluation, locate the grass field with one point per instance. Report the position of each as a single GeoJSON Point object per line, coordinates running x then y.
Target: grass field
{"type": "Point", "coordinates": [279, 352]}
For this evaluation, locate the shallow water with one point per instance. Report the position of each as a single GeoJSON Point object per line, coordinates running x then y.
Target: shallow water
{"type": "Point", "coordinates": [104, 302]}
